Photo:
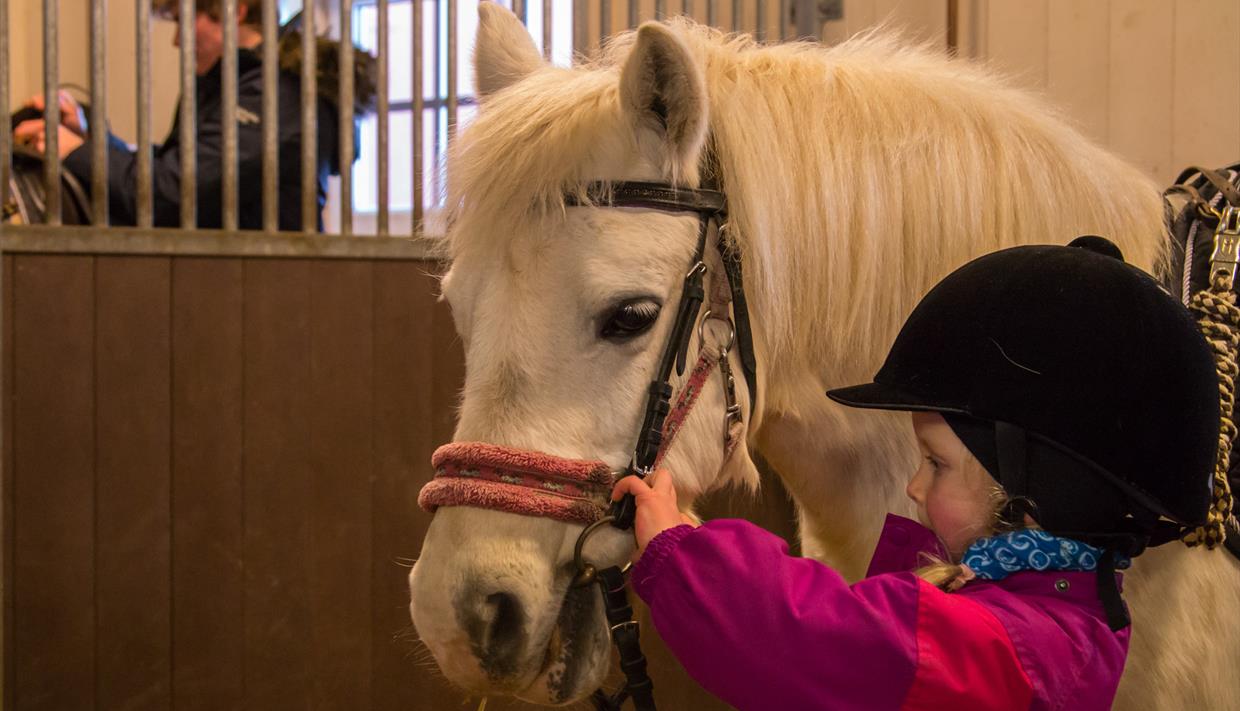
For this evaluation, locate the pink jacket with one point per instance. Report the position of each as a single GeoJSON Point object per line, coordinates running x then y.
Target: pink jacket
{"type": "Point", "coordinates": [763, 630]}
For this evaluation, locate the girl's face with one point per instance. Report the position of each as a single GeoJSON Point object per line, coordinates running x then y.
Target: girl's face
{"type": "Point", "coordinates": [951, 489]}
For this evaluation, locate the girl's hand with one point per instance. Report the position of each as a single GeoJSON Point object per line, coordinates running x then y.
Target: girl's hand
{"type": "Point", "coordinates": [656, 505]}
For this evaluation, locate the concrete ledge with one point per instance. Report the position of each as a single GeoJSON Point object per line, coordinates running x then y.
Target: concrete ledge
{"type": "Point", "coordinates": [44, 239]}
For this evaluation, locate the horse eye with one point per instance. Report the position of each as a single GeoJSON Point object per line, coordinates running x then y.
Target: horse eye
{"type": "Point", "coordinates": [629, 319]}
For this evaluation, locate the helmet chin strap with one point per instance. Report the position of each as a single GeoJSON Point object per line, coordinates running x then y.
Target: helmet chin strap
{"type": "Point", "coordinates": [1012, 445]}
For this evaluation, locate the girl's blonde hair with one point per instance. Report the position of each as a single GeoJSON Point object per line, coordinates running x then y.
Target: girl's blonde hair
{"type": "Point", "coordinates": [942, 573]}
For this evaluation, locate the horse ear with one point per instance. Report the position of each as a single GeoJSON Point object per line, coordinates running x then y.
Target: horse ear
{"type": "Point", "coordinates": [662, 87]}
{"type": "Point", "coordinates": [504, 53]}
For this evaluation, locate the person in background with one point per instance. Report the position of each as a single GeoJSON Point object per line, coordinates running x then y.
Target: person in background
{"type": "Point", "coordinates": [75, 151]}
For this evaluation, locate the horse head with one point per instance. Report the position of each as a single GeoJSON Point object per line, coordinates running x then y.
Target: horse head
{"type": "Point", "coordinates": [566, 285]}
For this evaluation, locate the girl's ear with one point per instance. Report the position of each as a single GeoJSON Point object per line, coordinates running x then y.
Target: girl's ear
{"type": "Point", "coordinates": [504, 53]}
{"type": "Point", "coordinates": [662, 89]}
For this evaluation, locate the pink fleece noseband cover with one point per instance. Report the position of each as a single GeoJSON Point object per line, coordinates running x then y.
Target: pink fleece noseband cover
{"type": "Point", "coordinates": [492, 476]}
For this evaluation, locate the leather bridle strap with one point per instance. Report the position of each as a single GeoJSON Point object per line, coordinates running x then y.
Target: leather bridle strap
{"type": "Point", "coordinates": [709, 205]}
{"type": "Point", "coordinates": [625, 635]}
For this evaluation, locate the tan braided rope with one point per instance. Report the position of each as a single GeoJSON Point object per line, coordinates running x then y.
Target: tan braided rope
{"type": "Point", "coordinates": [1219, 321]}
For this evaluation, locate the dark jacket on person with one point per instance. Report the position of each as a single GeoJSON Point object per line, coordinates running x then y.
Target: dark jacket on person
{"type": "Point", "coordinates": [166, 158]}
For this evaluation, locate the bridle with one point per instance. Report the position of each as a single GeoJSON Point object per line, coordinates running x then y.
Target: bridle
{"type": "Point", "coordinates": [653, 438]}
{"type": "Point", "coordinates": [532, 483]}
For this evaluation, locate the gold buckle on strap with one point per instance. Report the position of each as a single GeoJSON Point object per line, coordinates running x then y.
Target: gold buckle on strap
{"type": "Point", "coordinates": [1226, 254]}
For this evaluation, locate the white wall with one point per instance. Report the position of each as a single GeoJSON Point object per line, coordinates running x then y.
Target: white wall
{"type": "Point", "coordinates": [1157, 81]}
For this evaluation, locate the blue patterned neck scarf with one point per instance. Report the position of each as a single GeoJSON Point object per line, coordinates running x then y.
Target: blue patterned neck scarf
{"type": "Point", "coordinates": [996, 557]}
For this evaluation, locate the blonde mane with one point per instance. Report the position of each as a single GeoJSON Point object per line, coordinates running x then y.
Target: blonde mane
{"type": "Point", "coordinates": [824, 154]}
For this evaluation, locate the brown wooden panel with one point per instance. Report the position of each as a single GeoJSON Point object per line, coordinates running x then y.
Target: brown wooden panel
{"type": "Point", "coordinates": [6, 479]}
{"type": "Point", "coordinates": [207, 555]}
{"type": "Point", "coordinates": [404, 349]}
{"type": "Point", "coordinates": [132, 516]}
{"type": "Point", "coordinates": [278, 485]}
{"type": "Point", "coordinates": [54, 438]}
{"type": "Point", "coordinates": [448, 375]}
{"type": "Point", "coordinates": [341, 329]}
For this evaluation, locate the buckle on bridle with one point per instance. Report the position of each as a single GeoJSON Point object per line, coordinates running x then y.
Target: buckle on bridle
{"type": "Point", "coordinates": [710, 316]}
{"type": "Point", "coordinates": [1226, 254]}
{"type": "Point", "coordinates": [626, 624]}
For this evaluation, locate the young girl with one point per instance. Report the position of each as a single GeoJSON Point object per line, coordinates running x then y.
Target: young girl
{"type": "Point", "coordinates": [1067, 414]}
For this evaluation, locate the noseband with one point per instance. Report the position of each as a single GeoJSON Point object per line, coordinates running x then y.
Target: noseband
{"type": "Point", "coordinates": [576, 491]}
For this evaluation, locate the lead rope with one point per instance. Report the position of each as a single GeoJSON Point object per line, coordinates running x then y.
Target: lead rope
{"type": "Point", "coordinates": [1219, 321]}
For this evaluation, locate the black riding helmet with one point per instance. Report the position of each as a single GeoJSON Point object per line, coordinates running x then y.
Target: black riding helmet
{"type": "Point", "coordinates": [1075, 380]}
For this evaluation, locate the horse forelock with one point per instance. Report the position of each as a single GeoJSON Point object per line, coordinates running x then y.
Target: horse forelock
{"type": "Point", "coordinates": [527, 148]}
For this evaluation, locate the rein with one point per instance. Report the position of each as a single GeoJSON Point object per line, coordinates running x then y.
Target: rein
{"type": "Point", "coordinates": [576, 491]}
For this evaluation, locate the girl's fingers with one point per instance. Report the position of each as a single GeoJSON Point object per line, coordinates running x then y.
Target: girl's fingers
{"type": "Point", "coordinates": [629, 485]}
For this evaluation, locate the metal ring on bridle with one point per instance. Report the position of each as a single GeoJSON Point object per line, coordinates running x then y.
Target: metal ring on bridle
{"type": "Point", "coordinates": [585, 571]}
{"type": "Point", "coordinates": [708, 316]}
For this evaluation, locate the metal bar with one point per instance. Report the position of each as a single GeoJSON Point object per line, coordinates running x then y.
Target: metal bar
{"type": "Point", "coordinates": [228, 118]}
{"type": "Point", "coordinates": [953, 27]}
{"type": "Point", "coordinates": [437, 91]}
{"type": "Point", "coordinates": [6, 150]}
{"type": "Point", "coordinates": [712, 12]}
{"type": "Point", "coordinates": [736, 15]}
{"type": "Point", "coordinates": [309, 120]}
{"type": "Point", "coordinates": [809, 20]}
{"type": "Point", "coordinates": [419, 53]}
{"type": "Point", "coordinates": [51, 112]}
{"type": "Point", "coordinates": [6, 137]}
{"type": "Point", "coordinates": [759, 27]}
{"type": "Point", "coordinates": [143, 110]}
{"type": "Point", "coordinates": [346, 116]}
{"type": "Point", "coordinates": [271, 109]}
{"type": "Point", "coordinates": [604, 21]}
{"type": "Point", "coordinates": [546, 18]}
{"type": "Point", "coordinates": [384, 108]}
{"type": "Point", "coordinates": [633, 14]}
{"type": "Point", "coordinates": [660, 9]}
{"type": "Point", "coordinates": [98, 122]}
{"type": "Point", "coordinates": [521, 11]}
{"type": "Point", "coordinates": [580, 32]}
{"type": "Point", "coordinates": [452, 99]}
{"type": "Point", "coordinates": [188, 119]}
{"type": "Point", "coordinates": [783, 20]}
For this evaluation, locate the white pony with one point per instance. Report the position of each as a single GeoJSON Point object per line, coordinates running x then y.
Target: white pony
{"type": "Point", "coordinates": [856, 177]}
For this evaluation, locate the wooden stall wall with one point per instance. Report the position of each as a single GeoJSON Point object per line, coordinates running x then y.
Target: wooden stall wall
{"type": "Point", "coordinates": [211, 468]}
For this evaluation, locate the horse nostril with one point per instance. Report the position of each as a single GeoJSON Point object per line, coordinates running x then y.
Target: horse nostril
{"type": "Point", "coordinates": [506, 619]}
{"type": "Point", "coordinates": [495, 627]}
